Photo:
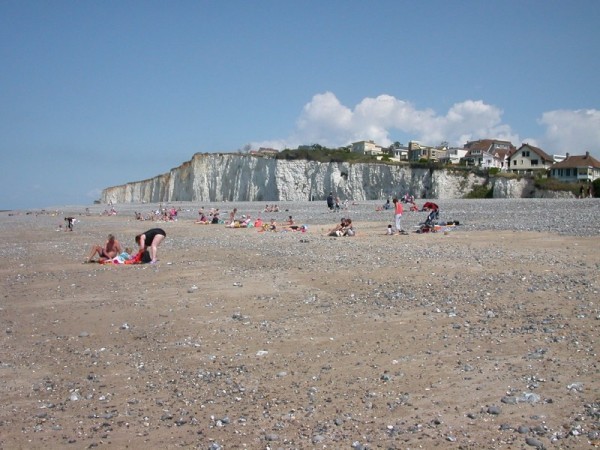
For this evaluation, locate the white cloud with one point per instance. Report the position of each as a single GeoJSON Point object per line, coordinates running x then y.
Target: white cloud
{"type": "Point", "coordinates": [324, 121]}
{"type": "Point", "coordinates": [383, 119]}
{"type": "Point", "coordinates": [574, 132]}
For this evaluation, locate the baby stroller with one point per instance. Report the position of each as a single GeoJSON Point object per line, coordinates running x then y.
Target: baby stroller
{"type": "Point", "coordinates": [433, 217]}
{"type": "Point", "coordinates": [430, 222]}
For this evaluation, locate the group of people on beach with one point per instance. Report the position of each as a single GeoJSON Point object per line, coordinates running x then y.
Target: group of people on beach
{"type": "Point", "coordinates": [235, 220]}
{"type": "Point", "coordinates": [397, 205]}
{"type": "Point", "coordinates": [288, 225]}
{"type": "Point", "coordinates": [210, 217]}
{"type": "Point", "coordinates": [149, 241]}
{"type": "Point", "coordinates": [159, 215]}
{"type": "Point", "coordinates": [335, 204]}
{"type": "Point", "coordinates": [112, 251]}
{"type": "Point", "coordinates": [344, 228]}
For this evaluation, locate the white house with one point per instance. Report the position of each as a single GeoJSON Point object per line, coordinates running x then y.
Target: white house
{"type": "Point", "coordinates": [417, 152]}
{"type": "Point", "coordinates": [576, 168]}
{"type": "Point", "coordinates": [528, 159]}
{"type": "Point", "coordinates": [488, 153]}
{"type": "Point", "coordinates": [367, 148]}
{"type": "Point", "coordinates": [453, 155]}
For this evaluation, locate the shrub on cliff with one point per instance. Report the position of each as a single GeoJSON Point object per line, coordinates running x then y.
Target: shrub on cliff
{"type": "Point", "coordinates": [480, 191]}
{"type": "Point", "coordinates": [596, 188]}
{"type": "Point", "coordinates": [325, 155]}
{"type": "Point", "coordinates": [552, 184]}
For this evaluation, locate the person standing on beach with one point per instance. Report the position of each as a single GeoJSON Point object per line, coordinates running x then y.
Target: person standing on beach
{"type": "Point", "coordinates": [330, 201]}
{"type": "Point", "coordinates": [398, 210]}
{"type": "Point", "coordinates": [70, 221]}
{"type": "Point", "coordinates": [150, 241]}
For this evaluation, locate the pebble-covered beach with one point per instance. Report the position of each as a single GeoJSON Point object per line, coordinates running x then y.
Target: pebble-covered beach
{"type": "Point", "coordinates": [482, 336]}
{"type": "Point", "coordinates": [577, 217]}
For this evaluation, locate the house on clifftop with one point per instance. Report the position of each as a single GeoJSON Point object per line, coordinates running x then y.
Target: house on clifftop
{"type": "Point", "coordinates": [265, 152]}
{"type": "Point", "coordinates": [488, 153]}
{"type": "Point", "coordinates": [367, 148]}
{"type": "Point", "coordinates": [528, 160]}
{"type": "Point", "coordinates": [576, 168]}
{"type": "Point", "coordinates": [418, 152]}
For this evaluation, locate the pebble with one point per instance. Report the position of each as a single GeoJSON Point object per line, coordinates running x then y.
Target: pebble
{"type": "Point", "coordinates": [533, 442]}
{"type": "Point", "coordinates": [494, 410]}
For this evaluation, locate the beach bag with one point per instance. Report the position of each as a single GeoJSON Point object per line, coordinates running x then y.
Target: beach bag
{"type": "Point", "coordinates": [146, 257]}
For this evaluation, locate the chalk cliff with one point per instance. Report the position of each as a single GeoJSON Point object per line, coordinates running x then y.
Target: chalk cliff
{"type": "Point", "coordinates": [235, 177]}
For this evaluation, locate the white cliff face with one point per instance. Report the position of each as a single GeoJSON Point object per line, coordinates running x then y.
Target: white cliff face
{"type": "Point", "coordinates": [234, 177]}
{"type": "Point", "coordinates": [524, 188]}
{"type": "Point", "coordinates": [513, 188]}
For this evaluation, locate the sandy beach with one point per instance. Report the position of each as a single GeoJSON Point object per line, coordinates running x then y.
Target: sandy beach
{"type": "Point", "coordinates": [485, 336]}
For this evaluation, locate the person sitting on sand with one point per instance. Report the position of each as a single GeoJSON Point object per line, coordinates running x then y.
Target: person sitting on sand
{"type": "Point", "coordinates": [111, 248]}
{"type": "Point", "coordinates": [339, 229]}
{"type": "Point", "coordinates": [290, 224]}
{"type": "Point", "coordinates": [349, 228]}
{"type": "Point", "coordinates": [231, 220]}
{"type": "Point", "coordinates": [203, 220]}
{"type": "Point", "coordinates": [126, 255]}
{"type": "Point", "coordinates": [121, 258]}
{"type": "Point", "coordinates": [246, 221]}
{"type": "Point", "coordinates": [271, 226]}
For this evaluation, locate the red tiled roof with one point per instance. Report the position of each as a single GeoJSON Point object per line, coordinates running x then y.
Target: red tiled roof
{"type": "Point", "coordinates": [482, 144]}
{"type": "Point", "coordinates": [485, 145]}
{"type": "Point", "coordinates": [541, 153]}
{"type": "Point", "coordinates": [575, 161]}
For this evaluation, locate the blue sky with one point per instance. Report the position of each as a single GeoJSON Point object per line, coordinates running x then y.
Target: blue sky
{"type": "Point", "coordinates": [97, 94]}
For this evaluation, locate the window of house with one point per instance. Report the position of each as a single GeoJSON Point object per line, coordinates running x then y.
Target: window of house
{"type": "Point", "coordinates": [534, 162]}
{"type": "Point", "coordinates": [525, 152]}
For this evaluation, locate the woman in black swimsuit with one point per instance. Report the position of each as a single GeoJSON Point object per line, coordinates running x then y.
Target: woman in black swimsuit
{"type": "Point", "coordinates": [150, 240]}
